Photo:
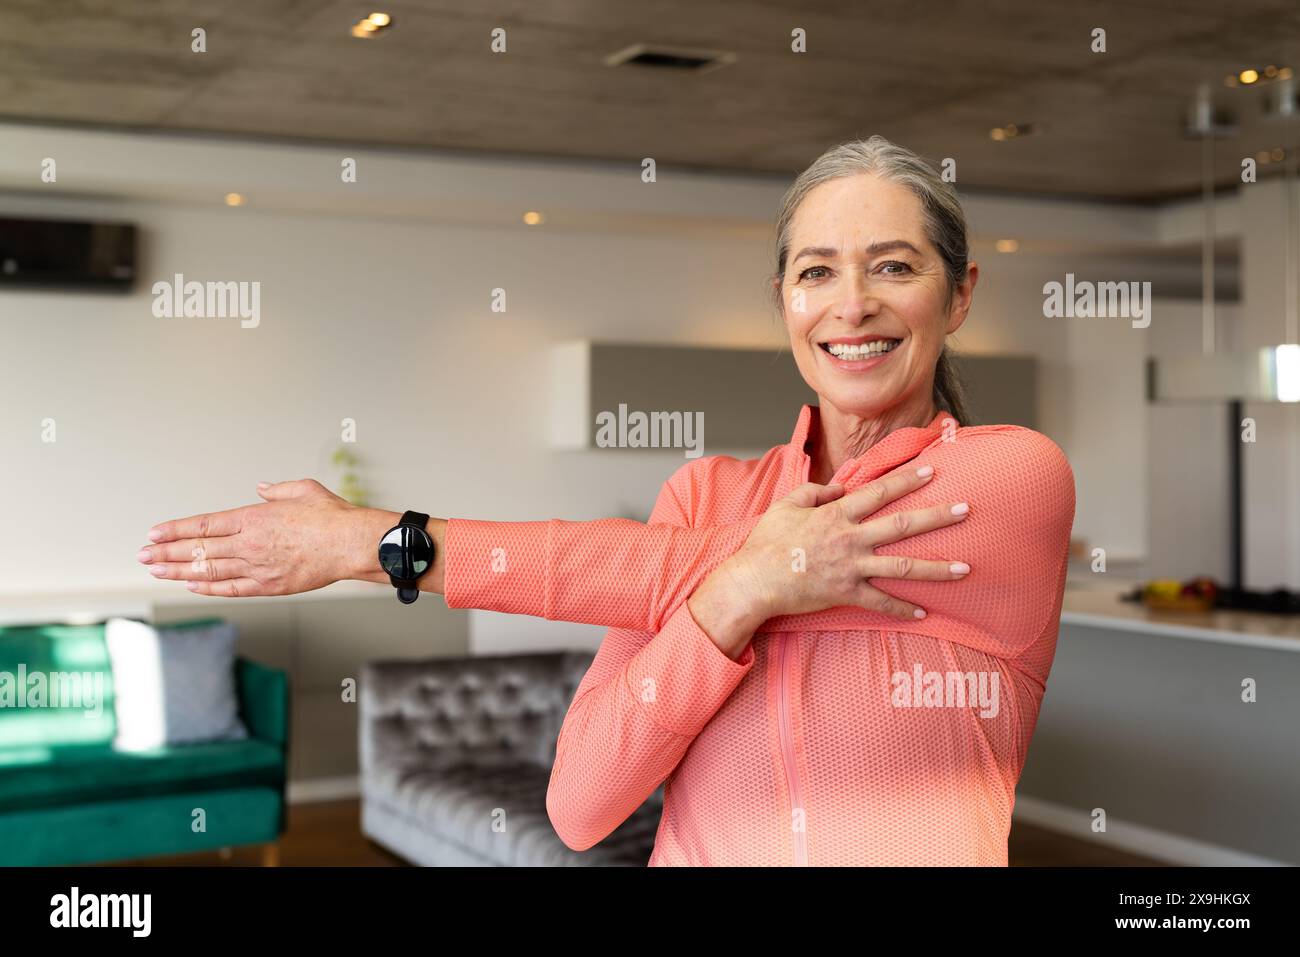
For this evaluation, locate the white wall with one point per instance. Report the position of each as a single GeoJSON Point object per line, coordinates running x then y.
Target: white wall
{"type": "Point", "coordinates": [387, 323]}
{"type": "Point", "coordinates": [379, 311]}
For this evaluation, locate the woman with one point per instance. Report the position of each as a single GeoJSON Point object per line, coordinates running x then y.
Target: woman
{"type": "Point", "coordinates": [832, 654]}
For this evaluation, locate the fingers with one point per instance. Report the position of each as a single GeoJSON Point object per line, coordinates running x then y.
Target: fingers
{"type": "Point", "coordinates": [811, 495]}
{"type": "Point", "coordinates": [208, 570]}
{"type": "Point", "coordinates": [189, 550]}
{"type": "Point", "coordinates": [873, 599]}
{"type": "Point", "coordinates": [231, 588]}
{"type": "Point", "coordinates": [913, 569]}
{"type": "Point", "coordinates": [208, 525]}
{"type": "Point", "coordinates": [891, 528]}
{"type": "Point", "coordinates": [876, 494]}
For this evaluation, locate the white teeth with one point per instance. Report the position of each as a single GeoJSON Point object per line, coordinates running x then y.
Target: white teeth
{"type": "Point", "coordinates": [873, 348]}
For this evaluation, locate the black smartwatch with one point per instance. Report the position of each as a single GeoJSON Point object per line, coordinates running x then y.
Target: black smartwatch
{"type": "Point", "coordinates": [406, 553]}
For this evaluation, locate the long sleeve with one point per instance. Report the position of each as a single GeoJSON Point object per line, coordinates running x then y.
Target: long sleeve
{"type": "Point", "coordinates": [612, 571]}
{"type": "Point", "coordinates": [620, 573]}
{"type": "Point", "coordinates": [636, 711]}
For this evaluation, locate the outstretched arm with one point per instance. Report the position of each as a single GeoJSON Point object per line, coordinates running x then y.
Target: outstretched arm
{"type": "Point", "coordinates": [621, 573]}
{"type": "Point", "coordinates": [612, 571]}
{"type": "Point", "coordinates": [624, 574]}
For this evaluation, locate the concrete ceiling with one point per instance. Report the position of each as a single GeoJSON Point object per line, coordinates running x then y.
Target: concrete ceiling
{"type": "Point", "coordinates": [935, 76]}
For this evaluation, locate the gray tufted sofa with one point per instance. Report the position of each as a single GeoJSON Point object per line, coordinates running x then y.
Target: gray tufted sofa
{"type": "Point", "coordinates": [456, 754]}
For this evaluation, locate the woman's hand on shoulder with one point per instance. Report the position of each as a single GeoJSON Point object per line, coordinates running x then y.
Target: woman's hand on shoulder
{"type": "Point", "coordinates": [814, 549]}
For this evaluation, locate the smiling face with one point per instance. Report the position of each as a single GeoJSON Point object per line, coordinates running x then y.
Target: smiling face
{"type": "Point", "coordinates": [866, 297]}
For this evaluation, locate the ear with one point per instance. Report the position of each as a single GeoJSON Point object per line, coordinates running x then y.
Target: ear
{"type": "Point", "coordinates": [962, 295]}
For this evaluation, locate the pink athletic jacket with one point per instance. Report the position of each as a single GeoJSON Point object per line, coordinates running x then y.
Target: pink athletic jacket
{"type": "Point", "coordinates": [840, 737]}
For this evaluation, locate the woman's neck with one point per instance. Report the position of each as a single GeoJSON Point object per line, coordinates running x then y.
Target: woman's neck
{"type": "Point", "coordinates": [841, 436]}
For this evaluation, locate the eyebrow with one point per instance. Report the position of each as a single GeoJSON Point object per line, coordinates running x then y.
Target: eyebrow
{"type": "Point", "coordinates": [829, 252]}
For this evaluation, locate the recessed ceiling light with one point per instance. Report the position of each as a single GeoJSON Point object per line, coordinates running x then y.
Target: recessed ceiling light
{"type": "Point", "coordinates": [1012, 131]}
{"type": "Point", "coordinates": [234, 199]}
{"type": "Point", "coordinates": [1275, 155]}
{"type": "Point", "coordinates": [1006, 245]}
{"type": "Point", "coordinates": [1251, 76]}
{"type": "Point", "coordinates": [371, 26]}
{"type": "Point", "coordinates": [533, 218]}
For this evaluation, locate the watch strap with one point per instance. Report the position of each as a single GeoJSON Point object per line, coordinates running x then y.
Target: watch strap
{"type": "Point", "coordinates": [419, 519]}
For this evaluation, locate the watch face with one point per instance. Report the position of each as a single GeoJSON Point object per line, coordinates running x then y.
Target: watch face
{"type": "Point", "coordinates": [406, 552]}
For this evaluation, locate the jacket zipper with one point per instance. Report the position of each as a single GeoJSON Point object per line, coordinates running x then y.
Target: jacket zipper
{"type": "Point", "coordinates": [799, 832]}
{"type": "Point", "coordinates": [799, 828]}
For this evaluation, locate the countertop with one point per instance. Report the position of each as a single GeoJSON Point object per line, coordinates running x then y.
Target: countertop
{"type": "Point", "coordinates": [1098, 605]}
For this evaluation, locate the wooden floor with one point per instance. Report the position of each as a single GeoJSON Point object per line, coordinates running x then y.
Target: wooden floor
{"type": "Point", "coordinates": [329, 834]}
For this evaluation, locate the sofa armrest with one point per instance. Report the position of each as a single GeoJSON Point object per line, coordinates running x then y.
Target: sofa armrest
{"type": "Point", "coordinates": [263, 700]}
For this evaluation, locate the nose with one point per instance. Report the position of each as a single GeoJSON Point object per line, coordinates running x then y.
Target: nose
{"type": "Point", "coordinates": [855, 301]}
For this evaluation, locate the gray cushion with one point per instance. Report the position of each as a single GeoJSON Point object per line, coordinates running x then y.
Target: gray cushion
{"type": "Point", "coordinates": [173, 685]}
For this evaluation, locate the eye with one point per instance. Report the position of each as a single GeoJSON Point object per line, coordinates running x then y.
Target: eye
{"type": "Point", "coordinates": [803, 275]}
{"type": "Point", "coordinates": [902, 267]}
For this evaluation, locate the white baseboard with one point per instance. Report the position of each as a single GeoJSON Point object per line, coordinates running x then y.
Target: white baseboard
{"type": "Point", "coordinates": [1135, 838]}
{"type": "Point", "coordinates": [324, 789]}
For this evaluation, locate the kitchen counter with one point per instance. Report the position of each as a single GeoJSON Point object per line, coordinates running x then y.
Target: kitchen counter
{"type": "Point", "coordinates": [1099, 605]}
{"type": "Point", "coordinates": [1180, 724]}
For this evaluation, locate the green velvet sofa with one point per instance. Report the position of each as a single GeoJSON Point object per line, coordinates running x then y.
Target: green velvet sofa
{"type": "Point", "coordinates": [67, 797]}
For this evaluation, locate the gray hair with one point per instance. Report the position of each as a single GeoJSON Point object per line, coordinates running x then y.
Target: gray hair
{"type": "Point", "coordinates": [945, 227]}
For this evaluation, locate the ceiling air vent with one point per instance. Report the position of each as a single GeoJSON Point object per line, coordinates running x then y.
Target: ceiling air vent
{"type": "Point", "coordinates": [686, 59]}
